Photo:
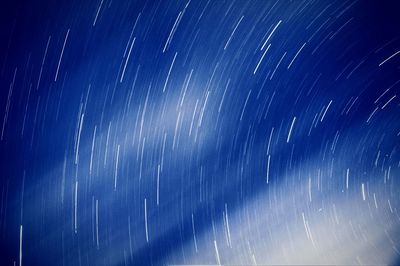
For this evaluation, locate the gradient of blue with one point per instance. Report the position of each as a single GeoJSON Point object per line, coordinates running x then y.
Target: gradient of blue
{"type": "Point", "coordinates": [229, 158]}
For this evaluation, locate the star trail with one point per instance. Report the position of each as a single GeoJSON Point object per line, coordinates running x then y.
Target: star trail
{"type": "Point", "coordinates": [199, 132]}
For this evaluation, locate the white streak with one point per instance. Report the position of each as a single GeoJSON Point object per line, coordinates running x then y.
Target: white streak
{"type": "Point", "coordinates": [41, 67]}
{"type": "Point", "coordinates": [79, 139]}
{"type": "Point", "coordinates": [227, 225]}
{"type": "Point", "coordinates": [172, 32]}
{"type": "Point", "coordinates": [61, 55]}
{"type": "Point", "coordinates": [97, 13]}
{"type": "Point", "coordinates": [268, 164]}
{"type": "Point", "coordinates": [158, 185]}
{"type": "Point", "coordinates": [280, 60]}
{"type": "Point", "coordinates": [194, 235]}
{"type": "Point", "coordinates": [376, 203]}
{"type": "Point", "coordinates": [216, 252]}
{"type": "Point", "coordinates": [390, 57]}
{"type": "Point", "coordinates": [107, 140]}
{"type": "Point", "coordinates": [290, 130]}
{"type": "Point", "coordinates": [262, 57]}
{"type": "Point", "coordinates": [194, 113]}
{"type": "Point", "coordinates": [390, 206]}
{"type": "Point", "coordinates": [391, 99]}
{"type": "Point", "coordinates": [20, 245]}
{"type": "Point", "coordinates": [381, 95]}
{"type": "Point", "coordinates": [127, 59]}
{"type": "Point", "coordinates": [10, 91]}
{"type": "Point", "coordinates": [291, 62]}
{"type": "Point", "coordinates": [272, 32]}
{"type": "Point", "coordinates": [223, 96]}
{"type": "Point", "coordinates": [245, 103]}
{"type": "Point", "coordinates": [322, 118]}
{"type": "Point", "coordinates": [202, 110]}
{"type": "Point", "coordinates": [169, 72]}
{"type": "Point", "coordinates": [145, 220]}
{"type": "Point", "coordinates": [370, 116]}
{"type": "Point", "coordinates": [233, 32]}
{"type": "Point", "coordinates": [363, 191]}
{"type": "Point", "coordinates": [116, 169]}
{"type": "Point", "coordinates": [91, 154]}
{"type": "Point", "coordinates": [269, 141]}
{"type": "Point", "coordinates": [76, 208]}
{"type": "Point", "coordinates": [97, 223]}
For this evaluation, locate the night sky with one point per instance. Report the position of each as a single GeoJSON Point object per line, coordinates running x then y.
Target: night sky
{"type": "Point", "coordinates": [199, 132]}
